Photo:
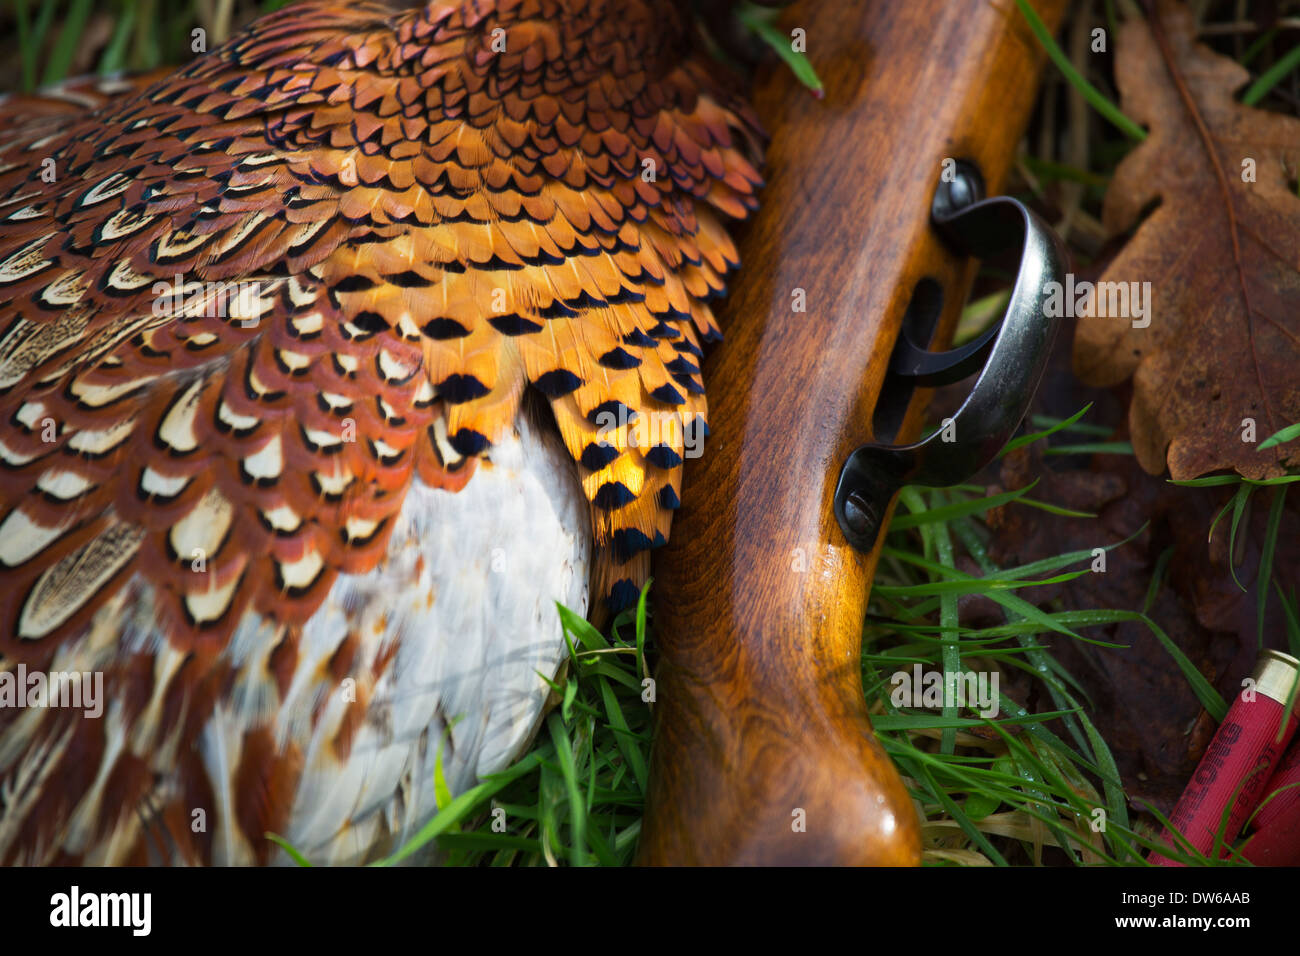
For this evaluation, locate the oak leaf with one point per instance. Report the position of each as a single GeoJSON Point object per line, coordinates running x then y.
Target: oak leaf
{"type": "Point", "coordinates": [1221, 253]}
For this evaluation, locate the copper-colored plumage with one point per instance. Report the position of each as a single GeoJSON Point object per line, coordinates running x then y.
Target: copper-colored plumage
{"type": "Point", "coordinates": [425, 213]}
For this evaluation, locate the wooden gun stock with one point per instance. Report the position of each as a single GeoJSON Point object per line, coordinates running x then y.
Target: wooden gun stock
{"type": "Point", "coordinates": [760, 711]}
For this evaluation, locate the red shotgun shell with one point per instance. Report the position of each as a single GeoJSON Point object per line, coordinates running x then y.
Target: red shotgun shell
{"type": "Point", "coordinates": [1277, 844]}
{"type": "Point", "coordinates": [1243, 753]}
{"type": "Point", "coordinates": [1276, 841]}
{"type": "Point", "coordinates": [1283, 793]}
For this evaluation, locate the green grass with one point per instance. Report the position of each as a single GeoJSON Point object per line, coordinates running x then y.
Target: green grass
{"type": "Point", "coordinates": [1038, 781]}
{"type": "Point", "coordinates": [144, 34]}
{"type": "Point", "coordinates": [577, 796]}
{"type": "Point", "coordinates": [1095, 98]}
{"type": "Point", "coordinates": [760, 20]}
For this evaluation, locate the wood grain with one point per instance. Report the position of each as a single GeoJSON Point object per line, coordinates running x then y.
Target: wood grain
{"type": "Point", "coordinates": [760, 600]}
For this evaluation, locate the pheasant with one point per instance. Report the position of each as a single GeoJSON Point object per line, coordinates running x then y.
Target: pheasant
{"type": "Point", "coordinates": [328, 364]}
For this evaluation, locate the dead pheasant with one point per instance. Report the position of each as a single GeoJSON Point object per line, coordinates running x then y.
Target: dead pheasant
{"type": "Point", "coordinates": [270, 329]}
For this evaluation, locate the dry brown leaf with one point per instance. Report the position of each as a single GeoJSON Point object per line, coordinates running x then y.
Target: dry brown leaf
{"type": "Point", "coordinates": [1222, 257]}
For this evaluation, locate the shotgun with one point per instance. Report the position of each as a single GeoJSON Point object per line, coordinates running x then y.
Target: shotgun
{"type": "Point", "coordinates": [871, 220]}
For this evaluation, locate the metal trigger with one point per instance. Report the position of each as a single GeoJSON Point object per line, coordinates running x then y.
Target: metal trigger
{"type": "Point", "coordinates": [1013, 354]}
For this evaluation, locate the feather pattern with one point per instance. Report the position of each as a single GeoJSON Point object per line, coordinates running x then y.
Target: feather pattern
{"type": "Point", "coordinates": [267, 327]}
